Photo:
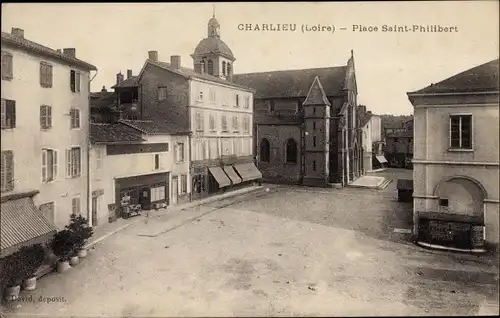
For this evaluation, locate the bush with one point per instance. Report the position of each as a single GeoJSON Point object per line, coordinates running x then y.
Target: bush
{"type": "Point", "coordinates": [12, 270]}
{"type": "Point", "coordinates": [64, 244]}
{"type": "Point", "coordinates": [32, 258]}
{"type": "Point", "coordinates": [79, 226]}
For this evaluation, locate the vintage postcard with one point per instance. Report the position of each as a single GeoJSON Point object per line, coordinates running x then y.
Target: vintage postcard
{"type": "Point", "coordinates": [250, 159]}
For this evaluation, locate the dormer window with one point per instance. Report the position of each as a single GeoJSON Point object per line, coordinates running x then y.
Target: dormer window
{"type": "Point", "coordinates": [228, 69]}
{"type": "Point", "coordinates": [224, 68]}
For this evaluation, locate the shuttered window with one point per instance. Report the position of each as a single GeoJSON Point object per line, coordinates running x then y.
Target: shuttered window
{"type": "Point", "coordinates": [45, 75]}
{"type": "Point", "coordinates": [8, 114]}
{"type": "Point", "coordinates": [75, 118]}
{"type": "Point", "coordinates": [7, 65]}
{"type": "Point", "coordinates": [73, 162]}
{"type": "Point", "coordinates": [45, 116]}
{"type": "Point", "coordinates": [7, 170]}
{"type": "Point", "coordinates": [49, 165]}
{"type": "Point", "coordinates": [74, 80]}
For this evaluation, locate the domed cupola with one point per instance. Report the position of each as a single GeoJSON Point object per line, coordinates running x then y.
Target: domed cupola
{"type": "Point", "coordinates": [212, 56]}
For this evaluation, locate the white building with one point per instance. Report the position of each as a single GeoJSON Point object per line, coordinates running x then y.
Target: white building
{"type": "Point", "coordinates": [371, 128]}
{"type": "Point", "coordinates": [456, 160]}
{"type": "Point", "coordinates": [44, 111]}
{"type": "Point", "coordinates": [146, 161]}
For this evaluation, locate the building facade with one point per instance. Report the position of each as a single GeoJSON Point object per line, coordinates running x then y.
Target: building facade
{"type": "Point", "coordinates": [371, 127]}
{"type": "Point", "coordinates": [45, 104]}
{"type": "Point", "coordinates": [44, 131]}
{"type": "Point", "coordinates": [456, 163]}
{"type": "Point", "coordinates": [398, 148]}
{"type": "Point", "coordinates": [141, 159]}
{"type": "Point", "coordinates": [206, 102]}
{"type": "Point", "coordinates": [306, 125]}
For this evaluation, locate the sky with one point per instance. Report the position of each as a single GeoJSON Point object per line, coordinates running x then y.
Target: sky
{"type": "Point", "coordinates": [117, 37]}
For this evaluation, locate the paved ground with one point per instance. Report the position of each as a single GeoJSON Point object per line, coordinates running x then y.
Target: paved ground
{"type": "Point", "coordinates": [287, 252]}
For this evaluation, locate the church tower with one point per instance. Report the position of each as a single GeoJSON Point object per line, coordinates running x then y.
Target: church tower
{"type": "Point", "coordinates": [317, 136]}
{"type": "Point", "coordinates": [212, 56]}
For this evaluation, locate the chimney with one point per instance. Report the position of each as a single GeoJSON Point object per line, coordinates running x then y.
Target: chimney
{"type": "Point", "coordinates": [104, 89]}
{"type": "Point", "coordinates": [175, 61]}
{"type": "Point", "coordinates": [153, 56]}
{"type": "Point", "coordinates": [129, 73]}
{"type": "Point", "coordinates": [119, 78]}
{"type": "Point", "coordinates": [71, 52]}
{"type": "Point", "coordinates": [17, 32]}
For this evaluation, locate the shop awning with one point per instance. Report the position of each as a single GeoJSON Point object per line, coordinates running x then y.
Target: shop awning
{"type": "Point", "coordinates": [381, 159]}
{"type": "Point", "coordinates": [22, 224]}
{"type": "Point", "coordinates": [232, 174]}
{"type": "Point", "coordinates": [248, 171]}
{"type": "Point", "coordinates": [220, 176]}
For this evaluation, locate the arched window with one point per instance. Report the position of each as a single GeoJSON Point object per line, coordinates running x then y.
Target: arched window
{"type": "Point", "coordinates": [224, 68]}
{"type": "Point", "coordinates": [228, 69]}
{"type": "Point", "coordinates": [264, 150]}
{"type": "Point", "coordinates": [291, 151]}
{"type": "Point", "coordinates": [210, 67]}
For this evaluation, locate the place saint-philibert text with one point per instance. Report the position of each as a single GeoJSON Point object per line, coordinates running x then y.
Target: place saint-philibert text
{"type": "Point", "coordinates": [414, 28]}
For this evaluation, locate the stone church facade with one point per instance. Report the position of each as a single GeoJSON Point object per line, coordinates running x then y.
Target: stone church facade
{"type": "Point", "coordinates": [306, 125]}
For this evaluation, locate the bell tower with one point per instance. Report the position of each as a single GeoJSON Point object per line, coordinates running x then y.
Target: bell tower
{"type": "Point", "coordinates": [212, 56]}
{"type": "Point", "coordinates": [317, 136]}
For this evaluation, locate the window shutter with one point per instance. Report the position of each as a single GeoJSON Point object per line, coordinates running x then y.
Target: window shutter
{"type": "Point", "coordinates": [11, 112]}
{"type": "Point", "coordinates": [44, 165]}
{"type": "Point", "coordinates": [77, 82]}
{"type": "Point", "coordinates": [55, 163]}
{"type": "Point", "coordinates": [43, 116]}
{"type": "Point", "coordinates": [9, 163]}
{"type": "Point", "coordinates": [49, 116]}
{"type": "Point", "coordinates": [72, 80]}
{"type": "Point", "coordinates": [42, 74]}
{"type": "Point", "coordinates": [49, 69]}
{"type": "Point", "coordinates": [68, 162]}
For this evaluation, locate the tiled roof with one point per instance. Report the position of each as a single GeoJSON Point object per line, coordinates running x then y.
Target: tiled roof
{"type": "Point", "coordinates": [189, 73]}
{"type": "Point", "coordinates": [316, 95]}
{"type": "Point", "coordinates": [22, 222]}
{"type": "Point", "coordinates": [293, 83]}
{"type": "Point", "coordinates": [156, 127]}
{"type": "Point", "coordinates": [114, 133]}
{"type": "Point", "coordinates": [482, 78]}
{"type": "Point", "coordinates": [40, 49]}
{"type": "Point", "coordinates": [129, 82]}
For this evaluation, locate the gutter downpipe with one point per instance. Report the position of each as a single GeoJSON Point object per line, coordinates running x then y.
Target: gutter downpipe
{"type": "Point", "coordinates": [89, 189]}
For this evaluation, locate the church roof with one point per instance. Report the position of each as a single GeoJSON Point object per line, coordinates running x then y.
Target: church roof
{"type": "Point", "coordinates": [482, 78]}
{"type": "Point", "coordinates": [293, 83]}
{"type": "Point", "coordinates": [316, 95]}
{"type": "Point", "coordinates": [213, 44]}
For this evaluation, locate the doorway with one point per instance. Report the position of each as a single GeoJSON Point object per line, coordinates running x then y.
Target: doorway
{"type": "Point", "coordinates": [144, 198]}
{"type": "Point", "coordinates": [94, 211]}
{"type": "Point", "coordinates": [175, 189]}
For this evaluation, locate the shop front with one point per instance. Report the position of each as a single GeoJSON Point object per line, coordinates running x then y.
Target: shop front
{"type": "Point", "coordinates": [150, 191]}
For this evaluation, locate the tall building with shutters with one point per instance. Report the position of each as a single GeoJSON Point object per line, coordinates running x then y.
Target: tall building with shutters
{"type": "Point", "coordinates": [44, 127]}
{"type": "Point", "coordinates": [205, 101]}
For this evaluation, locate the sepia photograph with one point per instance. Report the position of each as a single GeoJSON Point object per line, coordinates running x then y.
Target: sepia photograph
{"type": "Point", "coordinates": [250, 159]}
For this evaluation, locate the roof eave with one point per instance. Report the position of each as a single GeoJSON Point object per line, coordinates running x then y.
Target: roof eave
{"type": "Point", "coordinates": [450, 93]}
{"type": "Point", "coordinates": [68, 60]}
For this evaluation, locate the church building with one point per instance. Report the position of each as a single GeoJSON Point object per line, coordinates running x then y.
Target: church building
{"type": "Point", "coordinates": [307, 125]}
